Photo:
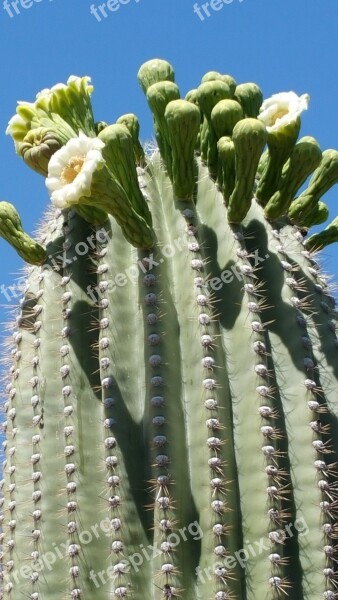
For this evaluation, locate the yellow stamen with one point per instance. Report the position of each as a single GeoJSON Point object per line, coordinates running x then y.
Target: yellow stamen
{"type": "Point", "coordinates": [72, 169]}
{"type": "Point", "coordinates": [279, 114]}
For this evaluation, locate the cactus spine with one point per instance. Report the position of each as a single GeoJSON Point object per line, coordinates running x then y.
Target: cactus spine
{"type": "Point", "coordinates": [171, 410]}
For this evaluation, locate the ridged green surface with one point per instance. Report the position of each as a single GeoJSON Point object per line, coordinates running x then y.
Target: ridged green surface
{"type": "Point", "coordinates": [171, 427]}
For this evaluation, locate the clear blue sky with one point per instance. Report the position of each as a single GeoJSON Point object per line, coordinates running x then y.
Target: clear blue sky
{"type": "Point", "coordinates": [281, 44]}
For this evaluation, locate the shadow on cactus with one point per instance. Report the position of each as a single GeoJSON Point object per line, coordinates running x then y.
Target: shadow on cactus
{"type": "Point", "coordinates": [171, 411]}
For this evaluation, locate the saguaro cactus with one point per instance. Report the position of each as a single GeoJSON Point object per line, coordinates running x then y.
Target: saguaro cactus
{"type": "Point", "coordinates": [172, 400]}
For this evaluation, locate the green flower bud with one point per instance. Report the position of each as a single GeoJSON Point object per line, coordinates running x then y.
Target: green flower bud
{"type": "Point", "coordinates": [71, 102]}
{"type": "Point", "coordinates": [226, 174]}
{"type": "Point", "coordinates": [37, 147]}
{"type": "Point", "coordinates": [132, 123]}
{"type": "Point", "coordinates": [108, 196]}
{"type": "Point", "coordinates": [250, 97]}
{"type": "Point", "coordinates": [280, 144]}
{"type": "Point", "coordinates": [206, 135]}
{"type": "Point", "coordinates": [191, 96]}
{"type": "Point", "coordinates": [304, 158]}
{"type": "Point", "coordinates": [263, 162]}
{"type": "Point", "coordinates": [213, 75]}
{"type": "Point", "coordinates": [118, 154]}
{"type": "Point", "coordinates": [11, 230]}
{"type": "Point", "coordinates": [99, 126]}
{"type": "Point", "coordinates": [153, 71]}
{"type": "Point", "coordinates": [324, 177]}
{"type": "Point", "coordinates": [158, 96]}
{"type": "Point", "coordinates": [183, 122]}
{"type": "Point", "coordinates": [249, 138]}
{"type": "Point", "coordinates": [224, 117]}
{"type": "Point", "coordinates": [318, 215]}
{"type": "Point", "coordinates": [231, 82]}
{"type": "Point", "coordinates": [64, 110]}
{"type": "Point", "coordinates": [318, 241]}
{"type": "Point", "coordinates": [210, 93]}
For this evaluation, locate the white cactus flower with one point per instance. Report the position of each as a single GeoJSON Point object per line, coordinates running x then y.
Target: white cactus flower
{"type": "Point", "coordinates": [70, 170]}
{"type": "Point", "coordinates": [281, 109]}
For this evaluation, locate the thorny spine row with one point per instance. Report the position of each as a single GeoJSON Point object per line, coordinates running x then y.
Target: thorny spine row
{"type": "Point", "coordinates": [114, 478]}
{"type": "Point", "coordinates": [218, 484]}
{"type": "Point", "coordinates": [325, 470]}
{"type": "Point", "coordinates": [21, 374]}
{"type": "Point", "coordinates": [69, 430]}
{"type": "Point", "coordinates": [10, 463]}
{"type": "Point", "coordinates": [161, 483]}
{"type": "Point", "coordinates": [277, 484]}
{"type": "Point", "coordinates": [37, 421]}
{"type": "Point", "coordinates": [8, 537]}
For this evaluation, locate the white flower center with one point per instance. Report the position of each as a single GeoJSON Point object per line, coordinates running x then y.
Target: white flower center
{"type": "Point", "coordinates": [72, 169]}
{"type": "Point", "coordinates": [282, 109]}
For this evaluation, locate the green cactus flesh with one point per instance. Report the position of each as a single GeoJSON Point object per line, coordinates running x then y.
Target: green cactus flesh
{"type": "Point", "coordinates": [171, 410]}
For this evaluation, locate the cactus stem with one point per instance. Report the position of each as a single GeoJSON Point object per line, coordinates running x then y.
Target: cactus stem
{"type": "Point", "coordinates": [171, 407]}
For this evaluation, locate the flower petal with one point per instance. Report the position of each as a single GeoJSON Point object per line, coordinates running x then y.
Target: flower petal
{"type": "Point", "coordinates": [281, 109]}
{"type": "Point", "coordinates": [81, 148]}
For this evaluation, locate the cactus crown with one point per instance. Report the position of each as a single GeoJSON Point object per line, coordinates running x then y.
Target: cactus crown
{"type": "Point", "coordinates": [171, 408]}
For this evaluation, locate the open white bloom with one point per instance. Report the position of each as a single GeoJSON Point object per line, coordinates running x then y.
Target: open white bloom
{"type": "Point", "coordinates": [70, 170]}
{"type": "Point", "coordinates": [282, 109]}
